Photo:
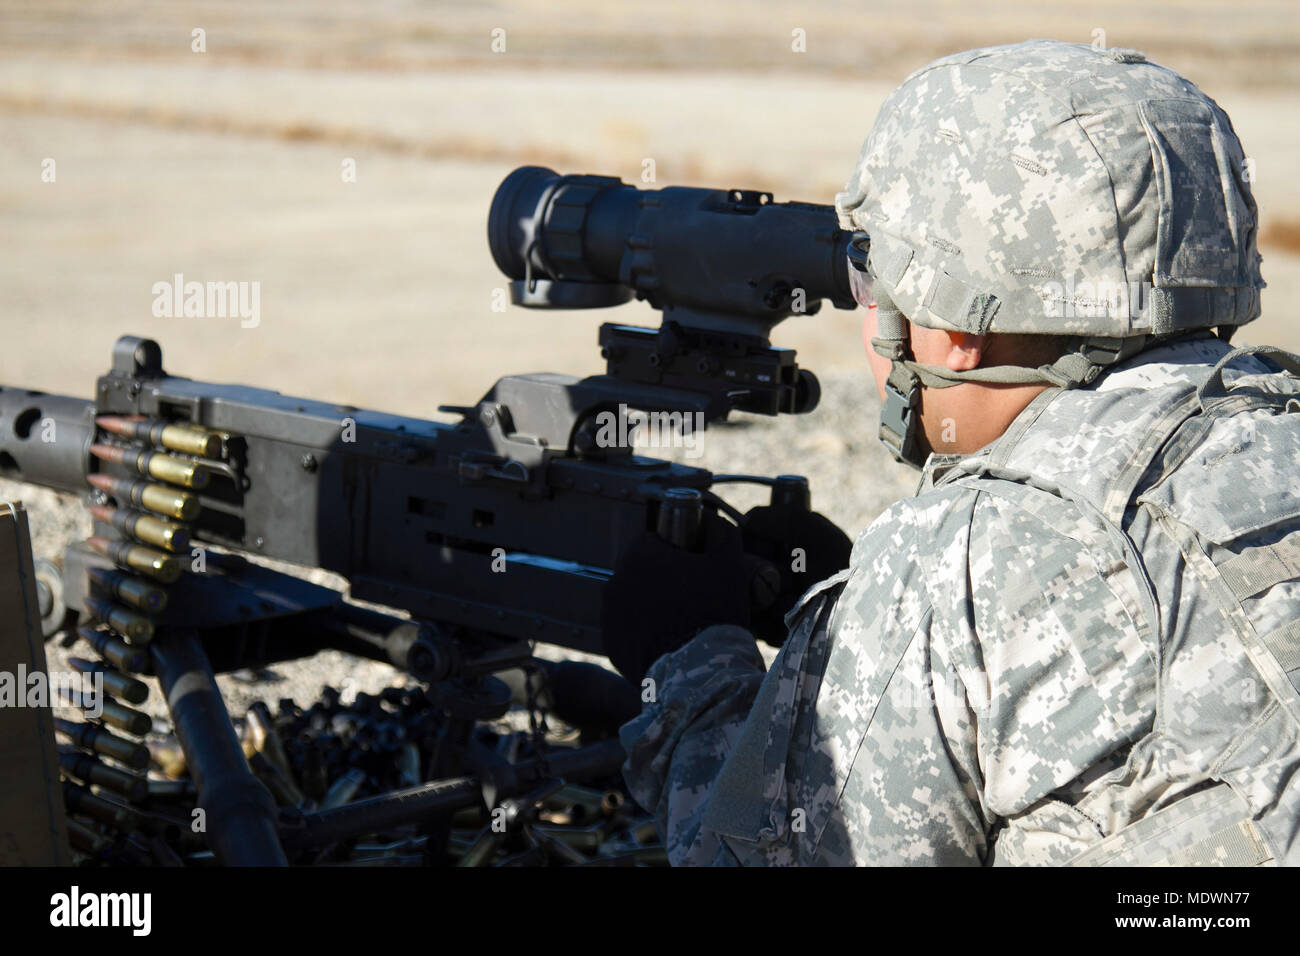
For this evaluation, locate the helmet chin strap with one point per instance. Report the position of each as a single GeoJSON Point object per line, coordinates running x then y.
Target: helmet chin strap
{"type": "Point", "coordinates": [900, 425]}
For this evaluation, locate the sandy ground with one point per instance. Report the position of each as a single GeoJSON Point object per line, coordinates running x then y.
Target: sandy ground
{"type": "Point", "coordinates": [226, 165]}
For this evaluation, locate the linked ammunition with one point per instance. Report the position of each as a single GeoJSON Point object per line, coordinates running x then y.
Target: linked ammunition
{"type": "Point", "coordinates": [157, 498]}
{"type": "Point", "coordinates": [155, 464]}
{"type": "Point", "coordinates": [132, 849]}
{"type": "Point", "coordinates": [117, 715]}
{"type": "Point", "coordinates": [90, 771]}
{"type": "Point", "coordinates": [187, 439]}
{"type": "Point", "coordinates": [143, 527]}
{"type": "Point", "coordinates": [170, 788]}
{"type": "Point", "coordinates": [127, 623]}
{"type": "Point", "coordinates": [134, 722]}
{"type": "Point", "coordinates": [78, 799]}
{"type": "Point", "coordinates": [99, 740]}
{"type": "Point", "coordinates": [116, 652]}
{"type": "Point", "coordinates": [163, 854]}
{"type": "Point", "coordinates": [139, 594]}
{"type": "Point", "coordinates": [118, 685]}
{"type": "Point", "coordinates": [85, 840]}
{"type": "Point", "coordinates": [154, 564]}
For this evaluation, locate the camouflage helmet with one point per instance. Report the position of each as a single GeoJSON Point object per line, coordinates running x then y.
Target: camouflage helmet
{"type": "Point", "coordinates": [1055, 189]}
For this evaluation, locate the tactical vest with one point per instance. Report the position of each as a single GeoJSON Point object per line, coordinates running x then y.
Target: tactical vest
{"type": "Point", "coordinates": [1218, 477]}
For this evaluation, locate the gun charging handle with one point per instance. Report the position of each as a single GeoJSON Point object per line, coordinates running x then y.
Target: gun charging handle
{"type": "Point", "coordinates": [680, 515]}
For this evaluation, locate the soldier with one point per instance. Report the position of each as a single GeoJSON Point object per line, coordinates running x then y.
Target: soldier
{"type": "Point", "coordinates": [1080, 641]}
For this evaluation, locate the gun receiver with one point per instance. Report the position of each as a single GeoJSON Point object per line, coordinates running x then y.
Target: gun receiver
{"type": "Point", "coordinates": [505, 524]}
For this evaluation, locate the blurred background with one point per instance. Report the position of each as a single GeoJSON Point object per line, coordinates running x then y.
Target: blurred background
{"type": "Point", "coordinates": [226, 165]}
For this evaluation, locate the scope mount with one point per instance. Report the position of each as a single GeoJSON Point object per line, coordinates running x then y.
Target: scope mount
{"type": "Point", "coordinates": [736, 371]}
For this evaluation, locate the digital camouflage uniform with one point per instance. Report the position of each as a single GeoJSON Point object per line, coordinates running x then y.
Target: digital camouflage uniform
{"type": "Point", "coordinates": [1080, 644]}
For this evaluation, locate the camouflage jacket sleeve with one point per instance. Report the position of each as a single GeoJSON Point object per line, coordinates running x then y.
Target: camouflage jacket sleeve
{"type": "Point", "coordinates": [912, 710]}
{"type": "Point", "coordinates": [743, 768]}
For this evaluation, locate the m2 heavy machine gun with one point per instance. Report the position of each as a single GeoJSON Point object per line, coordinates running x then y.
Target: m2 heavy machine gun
{"type": "Point", "coordinates": [491, 534]}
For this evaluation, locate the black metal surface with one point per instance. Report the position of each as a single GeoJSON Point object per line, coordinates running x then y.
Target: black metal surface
{"type": "Point", "coordinates": [443, 797]}
{"type": "Point", "coordinates": [239, 814]}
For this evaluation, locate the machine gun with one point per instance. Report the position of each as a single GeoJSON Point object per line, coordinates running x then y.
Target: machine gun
{"type": "Point", "coordinates": [490, 534]}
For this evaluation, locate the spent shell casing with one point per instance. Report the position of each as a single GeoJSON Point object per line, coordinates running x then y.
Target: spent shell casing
{"type": "Point", "coordinates": [143, 527]}
{"type": "Point", "coordinates": [247, 743]}
{"type": "Point", "coordinates": [169, 758]}
{"type": "Point", "coordinates": [139, 594]}
{"type": "Point", "coordinates": [159, 499]}
{"type": "Point", "coordinates": [185, 438]}
{"type": "Point", "coordinates": [580, 803]}
{"type": "Point", "coordinates": [315, 775]}
{"type": "Point", "coordinates": [580, 838]}
{"type": "Point", "coordinates": [344, 789]}
{"type": "Point", "coordinates": [136, 627]}
{"type": "Point", "coordinates": [155, 464]}
{"type": "Point", "coordinates": [483, 849]}
{"type": "Point", "coordinates": [116, 652]}
{"type": "Point", "coordinates": [90, 771]}
{"type": "Point", "coordinates": [282, 789]}
{"type": "Point", "coordinates": [99, 740]}
{"type": "Point", "coordinates": [154, 564]}
{"type": "Point", "coordinates": [646, 832]}
{"type": "Point", "coordinates": [118, 685]}
{"type": "Point", "coordinates": [408, 765]}
{"type": "Point", "coordinates": [266, 739]}
{"type": "Point", "coordinates": [612, 802]}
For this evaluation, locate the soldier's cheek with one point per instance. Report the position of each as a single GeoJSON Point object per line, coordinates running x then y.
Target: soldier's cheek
{"type": "Point", "coordinates": [879, 364]}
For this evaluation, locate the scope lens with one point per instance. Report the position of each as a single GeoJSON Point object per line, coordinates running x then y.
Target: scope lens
{"type": "Point", "coordinates": [510, 220]}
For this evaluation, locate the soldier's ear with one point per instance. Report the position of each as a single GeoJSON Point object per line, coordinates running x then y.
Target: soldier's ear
{"type": "Point", "coordinates": [965, 351]}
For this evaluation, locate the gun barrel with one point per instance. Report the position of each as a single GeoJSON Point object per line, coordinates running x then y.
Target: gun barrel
{"type": "Point", "coordinates": [45, 439]}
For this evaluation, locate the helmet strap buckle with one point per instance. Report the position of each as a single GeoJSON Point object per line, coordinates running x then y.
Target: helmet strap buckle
{"type": "Point", "coordinates": [899, 422]}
